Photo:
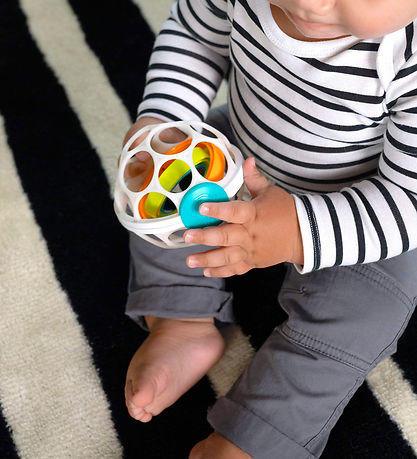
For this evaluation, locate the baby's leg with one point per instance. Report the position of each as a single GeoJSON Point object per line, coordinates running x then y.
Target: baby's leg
{"type": "Point", "coordinates": [342, 322]}
{"type": "Point", "coordinates": [183, 344]}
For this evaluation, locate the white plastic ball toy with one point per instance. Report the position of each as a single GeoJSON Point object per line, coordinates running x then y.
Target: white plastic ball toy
{"type": "Point", "coordinates": [160, 185]}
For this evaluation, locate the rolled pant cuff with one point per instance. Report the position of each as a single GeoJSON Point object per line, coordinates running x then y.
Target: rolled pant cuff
{"type": "Point", "coordinates": [252, 434]}
{"type": "Point", "coordinates": [176, 302]}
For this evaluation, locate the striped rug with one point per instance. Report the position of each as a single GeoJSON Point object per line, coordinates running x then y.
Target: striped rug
{"type": "Point", "coordinates": [71, 76]}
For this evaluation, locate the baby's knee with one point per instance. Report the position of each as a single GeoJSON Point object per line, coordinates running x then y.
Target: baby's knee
{"type": "Point", "coordinates": [352, 314]}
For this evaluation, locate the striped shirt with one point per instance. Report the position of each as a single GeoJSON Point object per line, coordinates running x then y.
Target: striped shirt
{"type": "Point", "coordinates": [333, 122]}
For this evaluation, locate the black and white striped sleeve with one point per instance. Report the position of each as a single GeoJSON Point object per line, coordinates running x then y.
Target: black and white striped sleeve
{"type": "Point", "coordinates": [377, 217]}
{"type": "Point", "coordinates": [189, 61]}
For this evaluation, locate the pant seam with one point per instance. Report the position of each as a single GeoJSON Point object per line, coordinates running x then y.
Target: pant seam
{"type": "Point", "coordinates": [270, 425]}
{"type": "Point", "coordinates": [347, 397]}
{"type": "Point", "coordinates": [379, 358]}
{"type": "Point", "coordinates": [381, 280]}
{"type": "Point", "coordinates": [290, 333]}
{"type": "Point", "coordinates": [353, 389]}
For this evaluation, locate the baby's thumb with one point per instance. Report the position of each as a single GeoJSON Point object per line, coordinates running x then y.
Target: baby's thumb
{"type": "Point", "coordinates": [254, 180]}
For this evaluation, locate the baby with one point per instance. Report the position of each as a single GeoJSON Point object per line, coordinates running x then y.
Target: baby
{"type": "Point", "coordinates": [322, 93]}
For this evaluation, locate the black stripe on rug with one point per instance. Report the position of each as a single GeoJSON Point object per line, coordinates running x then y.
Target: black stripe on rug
{"type": "Point", "coordinates": [69, 195]}
{"type": "Point", "coordinates": [122, 40]}
{"type": "Point", "coordinates": [7, 448]}
{"type": "Point", "coordinates": [405, 356]}
{"type": "Point", "coordinates": [365, 431]}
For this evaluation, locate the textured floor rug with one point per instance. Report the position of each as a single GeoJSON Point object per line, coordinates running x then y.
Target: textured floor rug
{"type": "Point", "coordinates": [71, 76]}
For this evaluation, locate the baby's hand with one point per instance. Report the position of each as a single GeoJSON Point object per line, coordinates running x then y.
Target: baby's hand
{"type": "Point", "coordinates": [258, 233]}
{"type": "Point", "coordinates": [141, 164]}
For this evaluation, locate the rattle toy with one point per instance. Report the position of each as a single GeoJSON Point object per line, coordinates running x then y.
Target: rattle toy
{"type": "Point", "coordinates": [160, 186]}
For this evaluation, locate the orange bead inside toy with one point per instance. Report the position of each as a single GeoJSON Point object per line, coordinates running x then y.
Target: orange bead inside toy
{"type": "Point", "coordinates": [209, 161]}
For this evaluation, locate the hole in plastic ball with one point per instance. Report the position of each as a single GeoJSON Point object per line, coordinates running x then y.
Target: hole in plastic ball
{"type": "Point", "coordinates": [163, 141]}
{"type": "Point", "coordinates": [207, 130]}
{"type": "Point", "coordinates": [154, 237]}
{"type": "Point", "coordinates": [156, 205]}
{"type": "Point", "coordinates": [128, 210]}
{"type": "Point", "coordinates": [138, 171]}
{"type": "Point", "coordinates": [175, 176]}
{"type": "Point", "coordinates": [209, 161]}
{"type": "Point", "coordinates": [177, 236]}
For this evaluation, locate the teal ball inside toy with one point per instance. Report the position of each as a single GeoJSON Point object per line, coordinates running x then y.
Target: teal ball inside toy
{"type": "Point", "coordinates": [192, 200]}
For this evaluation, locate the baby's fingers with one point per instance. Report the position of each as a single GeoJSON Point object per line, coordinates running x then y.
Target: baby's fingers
{"type": "Point", "coordinates": [224, 235]}
{"type": "Point", "coordinates": [216, 258]}
{"type": "Point", "coordinates": [232, 212]}
{"type": "Point", "coordinates": [228, 271]}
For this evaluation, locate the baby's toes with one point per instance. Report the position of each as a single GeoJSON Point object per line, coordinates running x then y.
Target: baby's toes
{"type": "Point", "coordinates": [144, 417]}
{"type": "Point", "coordinates": [138, 413]}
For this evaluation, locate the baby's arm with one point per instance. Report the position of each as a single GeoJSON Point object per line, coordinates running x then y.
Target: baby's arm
{"type": "Point", "coordinates": [188, 62]}
{"type": "Point", "coordinates": [368, 221]}
{"type": "Point", "coordinates": [373, 219]}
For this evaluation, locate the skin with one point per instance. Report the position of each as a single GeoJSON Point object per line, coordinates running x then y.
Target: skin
{"type": "Point", "coordinates": [312, 20]}
{"type": "Point", "coordinates": [265, 231]}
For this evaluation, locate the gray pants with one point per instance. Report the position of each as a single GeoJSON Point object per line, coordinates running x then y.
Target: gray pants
{"type": "Point", "coordinates": [341, 322]}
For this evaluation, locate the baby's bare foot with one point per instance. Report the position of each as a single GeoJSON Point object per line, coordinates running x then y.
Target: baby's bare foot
{"type": "Point", "coordinates": [176, 355]}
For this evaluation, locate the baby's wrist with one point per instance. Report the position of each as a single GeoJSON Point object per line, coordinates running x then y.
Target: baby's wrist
{"type": "Point", "coordinates": [297, 251]}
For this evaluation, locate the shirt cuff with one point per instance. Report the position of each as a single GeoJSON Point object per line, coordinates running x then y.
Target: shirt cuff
{"type": "Point", "coordinates": [306, 235]}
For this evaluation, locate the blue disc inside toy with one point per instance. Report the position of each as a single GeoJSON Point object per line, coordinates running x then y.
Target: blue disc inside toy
{"type": "Point", "coordinates": [192, 200]}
